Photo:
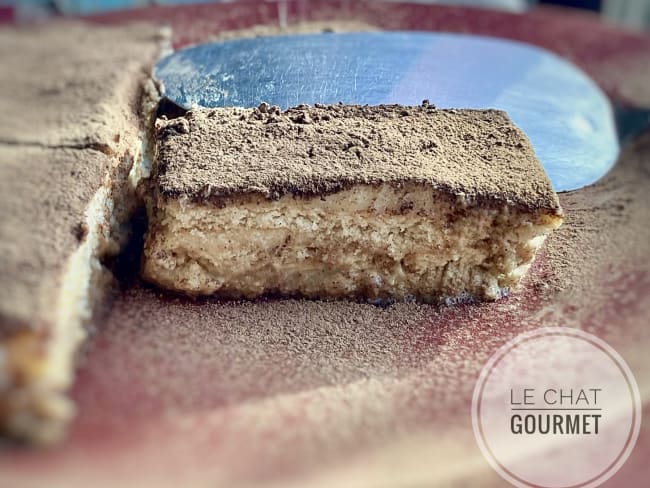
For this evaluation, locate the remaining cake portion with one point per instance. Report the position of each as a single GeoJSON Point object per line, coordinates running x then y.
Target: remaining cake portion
{"type": "Point", "coordinates": [384, 202]}
{"type": "Point", "coordinates": [70, 133]}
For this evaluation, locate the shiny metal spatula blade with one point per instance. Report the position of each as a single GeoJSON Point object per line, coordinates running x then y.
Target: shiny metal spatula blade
{"type": "Point", "coordinates": [567, 118]}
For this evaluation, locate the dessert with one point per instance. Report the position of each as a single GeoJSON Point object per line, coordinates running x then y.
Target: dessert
{"type": "Point", "coordinates": [382, 203]}
{"type": "Point", "coordinates": [69, 135]}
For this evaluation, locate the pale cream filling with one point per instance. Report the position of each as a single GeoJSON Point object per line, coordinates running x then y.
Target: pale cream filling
{"type": "Point", "coordinates": [372, 241]}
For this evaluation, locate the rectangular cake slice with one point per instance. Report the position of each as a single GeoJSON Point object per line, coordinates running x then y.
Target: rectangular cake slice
{"type": "Point", "coordinates": [70, 133]}
{"type": "Point", "coordinates": [372, 202]}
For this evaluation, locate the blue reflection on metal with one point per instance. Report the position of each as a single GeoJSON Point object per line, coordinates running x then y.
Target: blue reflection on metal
{"type": "Point", "coordinates": [567, 118]}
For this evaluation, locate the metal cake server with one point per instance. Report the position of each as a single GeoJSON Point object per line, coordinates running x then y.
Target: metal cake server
{"type": "Point", "coordinates": [567, 117]}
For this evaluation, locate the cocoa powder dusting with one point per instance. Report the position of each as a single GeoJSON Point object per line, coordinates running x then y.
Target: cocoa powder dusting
{"type": "Point", "coordinates": [306, 151]}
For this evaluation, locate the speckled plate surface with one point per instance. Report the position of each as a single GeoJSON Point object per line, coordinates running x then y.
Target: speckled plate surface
{"type": "Point", "coordinates": [175, 392]}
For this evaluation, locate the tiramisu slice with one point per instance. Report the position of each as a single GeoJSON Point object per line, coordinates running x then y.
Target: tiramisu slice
{"type": "Point", "coordinates": [381, 203]}
{"type": "Point", "coordinates": [69, 136]}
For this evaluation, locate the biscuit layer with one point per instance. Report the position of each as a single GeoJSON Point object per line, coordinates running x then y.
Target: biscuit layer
{"type": "Point", "coordinates": [345, 201]}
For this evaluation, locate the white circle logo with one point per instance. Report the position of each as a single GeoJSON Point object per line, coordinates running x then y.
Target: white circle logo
{"type": "Point", "coordinates": [556, 408]}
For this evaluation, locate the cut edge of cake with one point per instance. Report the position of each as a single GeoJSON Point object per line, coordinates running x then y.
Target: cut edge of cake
{"type": "Point", "coordinates": [37, 363]}
{"type": "Point", "coordinates": [381, 237]}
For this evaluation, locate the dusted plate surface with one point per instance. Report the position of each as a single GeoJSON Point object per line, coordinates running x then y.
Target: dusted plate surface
{"type": "Point", "coordinates": [565, 115]}
{"type": "Point", "coordinates": [174, 399]}
{"type": "Point", "coordinates": [297, 393]}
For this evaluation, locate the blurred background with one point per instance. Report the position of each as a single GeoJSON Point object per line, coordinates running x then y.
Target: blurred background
{"type": "Point", "coordinates": [634, 14]}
